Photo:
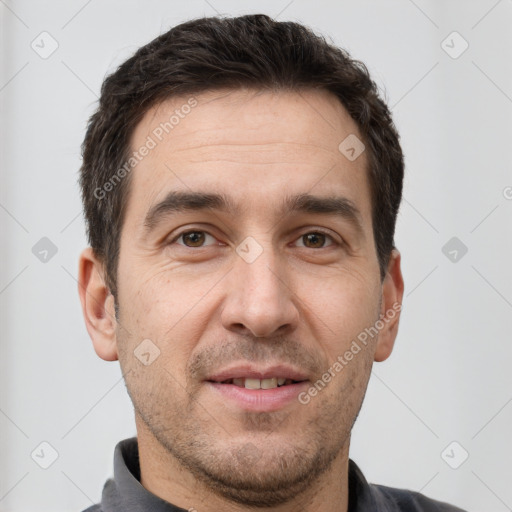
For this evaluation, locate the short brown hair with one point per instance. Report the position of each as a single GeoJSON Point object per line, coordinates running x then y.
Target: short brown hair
{"type": "Point", "coordinates": [204, 54]}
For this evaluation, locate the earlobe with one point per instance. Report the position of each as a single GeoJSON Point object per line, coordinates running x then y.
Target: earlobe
{"type": "Point", "coordinates": [391, 305]}
{"type": "Point", "coordinates": [97, 305]}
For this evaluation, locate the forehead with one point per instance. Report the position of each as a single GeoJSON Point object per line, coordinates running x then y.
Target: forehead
{"type": "Point", "coordinates": [253, 146]}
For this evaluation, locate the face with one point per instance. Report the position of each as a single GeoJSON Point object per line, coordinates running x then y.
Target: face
{"type": "Point", "coordinates": [247, 283]}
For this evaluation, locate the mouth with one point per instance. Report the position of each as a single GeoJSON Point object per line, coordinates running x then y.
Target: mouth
{"type": "Point", "coordinates": [257, 395]}
{"type": "Point", "coordinates": [253, 383]}
{"type": "Point", "coordinates": [257, 389]}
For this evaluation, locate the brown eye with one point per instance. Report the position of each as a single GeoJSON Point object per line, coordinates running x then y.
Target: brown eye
{"type": "Point", "coordinates": [193, 238]}
{"type": "Point", "coordinates": [315, 240]}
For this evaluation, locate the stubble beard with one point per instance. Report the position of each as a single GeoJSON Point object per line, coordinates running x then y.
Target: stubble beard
{"type": "Point", "coordinates": [263, 469]}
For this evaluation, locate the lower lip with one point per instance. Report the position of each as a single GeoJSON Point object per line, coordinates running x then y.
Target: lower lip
{"type": "Point", "coordinates": [260, 400]}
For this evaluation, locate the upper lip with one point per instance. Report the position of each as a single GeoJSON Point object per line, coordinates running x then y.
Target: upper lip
{"type": "Point", "coordinates": [252, 372]}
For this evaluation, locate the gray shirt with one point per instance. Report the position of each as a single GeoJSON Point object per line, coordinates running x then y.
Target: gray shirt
{"type": "Point", "coordinates": [124, 493]}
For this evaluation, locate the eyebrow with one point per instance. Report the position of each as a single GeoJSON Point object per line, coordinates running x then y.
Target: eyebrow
{"type": "Point", "coordinates": [183, 202]}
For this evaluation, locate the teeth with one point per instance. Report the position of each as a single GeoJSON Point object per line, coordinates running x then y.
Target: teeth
{"type": "Point", "coordinates": [268, 383]}
{"type": "Point", "coordinates": [271, 383]}
{"type": "Point", "coordinates": [252, 384]}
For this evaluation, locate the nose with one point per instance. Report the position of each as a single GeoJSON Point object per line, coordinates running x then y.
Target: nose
{"type": "Point", "coordinates": [260, 300]}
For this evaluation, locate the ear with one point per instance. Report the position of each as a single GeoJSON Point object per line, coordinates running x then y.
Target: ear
{"type": "Point", "coordinates": [97, 305]}
{"type": "Point", "coordinates": [391, 305]}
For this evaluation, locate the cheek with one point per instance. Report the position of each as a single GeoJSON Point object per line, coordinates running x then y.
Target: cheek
{"type": "Point", "coordinates": [174, 305]}
{"type": "Point", "coordinates": [340, 307]}
{"type": "Point", "coordinates": [169, 307]}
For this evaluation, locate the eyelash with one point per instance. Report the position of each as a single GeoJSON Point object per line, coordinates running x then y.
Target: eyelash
{"type": "Point", "coordinates": [316, 231]}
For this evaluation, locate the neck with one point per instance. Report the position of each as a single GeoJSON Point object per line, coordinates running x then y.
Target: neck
{"type": "Point", "coordinates": [164, 476]}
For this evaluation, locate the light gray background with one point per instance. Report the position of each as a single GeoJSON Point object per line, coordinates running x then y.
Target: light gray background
{"type": "Point", "coordinates": [449, 377]}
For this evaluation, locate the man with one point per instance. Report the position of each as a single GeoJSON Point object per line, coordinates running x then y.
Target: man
{"type": "Point", "coordinates": [241, 180]}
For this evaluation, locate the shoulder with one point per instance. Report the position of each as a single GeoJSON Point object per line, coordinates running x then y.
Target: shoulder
{"type": "Point", "coordinates": [410, 501]}
{"type": "Point", "coordinates": [364, 496]}
{"type": "Point", "coordinates": [94, 508]}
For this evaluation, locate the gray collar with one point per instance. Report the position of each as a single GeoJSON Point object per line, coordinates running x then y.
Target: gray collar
{"type": "Point", "coordinates": [124, 493]}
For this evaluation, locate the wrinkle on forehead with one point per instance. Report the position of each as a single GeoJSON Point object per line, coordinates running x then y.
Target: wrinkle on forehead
{"type": "Point", "coordinates": [317, 116]}
{"type": "Point", "coordinates": [266, 144]}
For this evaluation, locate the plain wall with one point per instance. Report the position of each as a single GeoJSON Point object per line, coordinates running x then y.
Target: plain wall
{"type": "Point", "coordinates": [448, 378]}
